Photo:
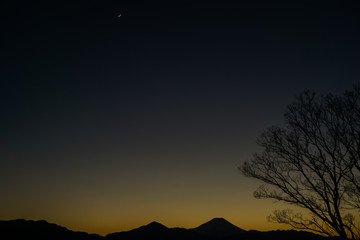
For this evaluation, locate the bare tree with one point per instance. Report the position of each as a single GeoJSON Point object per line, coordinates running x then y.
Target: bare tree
{"type": "Point", "coordinates": [313, 162]}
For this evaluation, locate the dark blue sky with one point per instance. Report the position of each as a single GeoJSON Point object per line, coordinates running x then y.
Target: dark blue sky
{"type": "Point", "coordinates": [161, 102]}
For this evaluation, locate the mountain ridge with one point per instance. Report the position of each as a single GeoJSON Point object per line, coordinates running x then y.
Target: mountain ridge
{"type": "Point", "coordinates": [215, 229]}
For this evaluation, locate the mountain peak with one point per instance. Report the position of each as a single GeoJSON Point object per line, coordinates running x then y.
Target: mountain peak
{"type": "Point", "coordinates": [151, 228]}
{"type": "Point", "coordinates": [156, 225]}
{"type": "Point", "coordinates": [218, 220]}
{"type": "Point", "coordinates": [218, 227]}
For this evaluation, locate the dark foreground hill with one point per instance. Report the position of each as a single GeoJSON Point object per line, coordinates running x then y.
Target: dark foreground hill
{"type": "Point", "coordinates": [40, 230]}
{"type": "Point", "coordinates": [215, 229]}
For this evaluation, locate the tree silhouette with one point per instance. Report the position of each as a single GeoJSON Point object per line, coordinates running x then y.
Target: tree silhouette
{"type": "Point", "coordinates": [313, 162]}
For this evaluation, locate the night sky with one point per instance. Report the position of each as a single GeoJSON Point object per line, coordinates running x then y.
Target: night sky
{"type": "Point", "coordinates": [108, 123]}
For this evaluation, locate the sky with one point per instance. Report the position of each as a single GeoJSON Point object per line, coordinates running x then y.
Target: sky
{"type": "Point", "coordinates": [108, 123]}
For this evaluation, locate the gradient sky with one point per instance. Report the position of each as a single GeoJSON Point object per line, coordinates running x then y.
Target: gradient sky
{"type": "Point", "coordinates": [110, 123]}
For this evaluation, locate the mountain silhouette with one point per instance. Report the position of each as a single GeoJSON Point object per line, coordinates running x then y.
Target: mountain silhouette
{"type": "Point", "coordinates": [40, 230]}
{"type": "Point", "coordinates": [215, 229]}
{"type": "Point", "coordinates": [219, 228]}
{"type": "Point", "coordinates": [154, 230]}
{"type": "Point", "coordinates": [153, 227]}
